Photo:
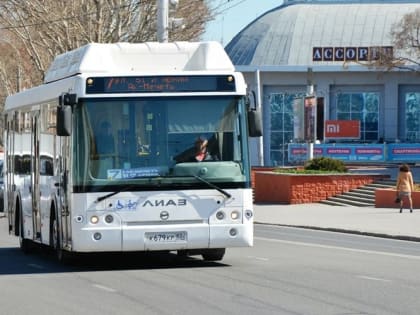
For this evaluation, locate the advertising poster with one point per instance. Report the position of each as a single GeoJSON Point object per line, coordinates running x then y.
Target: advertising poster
{"type": "Point", "coordinates": [344, 152]}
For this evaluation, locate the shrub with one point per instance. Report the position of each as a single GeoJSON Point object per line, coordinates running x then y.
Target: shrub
{"type": "Point", "coordinates": [326, 164]}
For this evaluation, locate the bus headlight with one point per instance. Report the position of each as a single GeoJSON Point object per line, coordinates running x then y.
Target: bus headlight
{"type": "Point", "coordinates": [94, 219]}
{"type": "Point", "coordinates": [234, 215]}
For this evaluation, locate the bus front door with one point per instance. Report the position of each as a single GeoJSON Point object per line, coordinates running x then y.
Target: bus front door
{"type": "Point", "coordinates": [35, 176]}
{"type": "Point", "coordinates": [64, 224]}
{"type": "Point", "coordinates": [10, 160]}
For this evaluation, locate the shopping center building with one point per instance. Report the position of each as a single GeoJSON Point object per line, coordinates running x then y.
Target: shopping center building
{"type": "Point", "coordinates": [312, 67]}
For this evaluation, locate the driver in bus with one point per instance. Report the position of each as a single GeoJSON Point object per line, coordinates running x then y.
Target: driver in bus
{"type": "Point", "coordinates": [201, 150]}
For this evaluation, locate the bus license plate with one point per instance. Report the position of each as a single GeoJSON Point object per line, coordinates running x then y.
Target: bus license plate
{"type": "Point", "coordinates": [166, 237]}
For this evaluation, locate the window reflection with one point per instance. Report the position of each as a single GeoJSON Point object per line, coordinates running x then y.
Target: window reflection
{"type": "Point", "coordinates": [360, 106]}
{"type": "Point", "coordinates": [412, 116]}
{"type": "Point", "coordinates": [282, 117]}
{"type": "Point", "coordinates": [133, 138]}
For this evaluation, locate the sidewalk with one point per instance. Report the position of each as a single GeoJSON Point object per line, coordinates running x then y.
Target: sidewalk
{"type": "Point", "coordinates": [382, 222]}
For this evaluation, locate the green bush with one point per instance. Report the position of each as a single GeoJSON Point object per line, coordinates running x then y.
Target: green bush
{"type": "Point", "coordinates": [326, 164]}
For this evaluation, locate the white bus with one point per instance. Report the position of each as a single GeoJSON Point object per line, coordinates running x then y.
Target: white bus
{"type": "Point", "coordinates": [102, 156]}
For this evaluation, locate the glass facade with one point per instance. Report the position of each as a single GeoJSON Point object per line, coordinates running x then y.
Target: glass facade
{"type": "Point", "coordinates": [363, 106]}
{"type": "Point", "coordinates": [282, 120]}
{"type": "Point", "coordinates": [383, 120]}
{"type": "Point", "coordinates": [412, 116]}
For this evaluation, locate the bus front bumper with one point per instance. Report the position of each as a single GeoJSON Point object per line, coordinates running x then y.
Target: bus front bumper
{"type": "Point", "coordinates": [144, 237]}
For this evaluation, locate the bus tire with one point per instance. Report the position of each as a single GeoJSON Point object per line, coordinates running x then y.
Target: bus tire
{"type": "Point", "coordinates": [55, 240]}
{"type": "Point", "coordinates": [24, 244]}
{"type": "Point", "coordinates": [213, 254]}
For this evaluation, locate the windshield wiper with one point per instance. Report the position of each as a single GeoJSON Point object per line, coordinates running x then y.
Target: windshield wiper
{"type": "Point", "coordinates": [99, 199]}
{"type": "Point", "coordinates": [224, 192]}
{"type": "Point", "coordinates": [127, 187]}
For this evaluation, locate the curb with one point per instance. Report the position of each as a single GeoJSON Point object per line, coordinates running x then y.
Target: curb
{"type": "Point", "coordinates": [338, 230]}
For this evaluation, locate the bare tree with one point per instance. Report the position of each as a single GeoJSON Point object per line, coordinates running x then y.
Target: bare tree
{"type": "Point", "coordinates": [406, 46]}
{"type": "Point", "coordinates": [46, 28]}
{"type": "Point", "coordinates": [406, 35]}
{"type": "Point", "coordinates": [33, 32]}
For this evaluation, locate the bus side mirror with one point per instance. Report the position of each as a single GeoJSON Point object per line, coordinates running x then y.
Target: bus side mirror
{"type": "Point", "coordinates": [64, 120]}
{"type": "Point", "coordinates": [254, 116]}
{"type": "Point", "coordinates": [254, 123]}
{"type": "Point", "coordinates": [67, 99]}
{"type": "Point", "coordinates": [64, 110]}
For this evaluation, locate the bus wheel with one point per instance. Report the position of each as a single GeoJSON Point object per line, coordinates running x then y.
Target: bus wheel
{"type": "Point", "coordinates": [62, 255]}
{"type": "Point", "coordinates": [55, 241]}
{"type": "Point", "coordinates": [25, 244]}
{"type": "Point", "coordinates": [213, 254]}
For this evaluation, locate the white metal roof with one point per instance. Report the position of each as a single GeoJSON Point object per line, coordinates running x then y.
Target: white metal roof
{"type": "Point", "coordinates": [142, 58]}
{"type": "Point", "coordinates": [69, 70]}
{"type": "Point", "coordinates": [287, 34]}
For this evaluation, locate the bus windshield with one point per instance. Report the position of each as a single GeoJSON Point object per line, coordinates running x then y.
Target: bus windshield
{"type": "Point", "coordinates": [160, 140]}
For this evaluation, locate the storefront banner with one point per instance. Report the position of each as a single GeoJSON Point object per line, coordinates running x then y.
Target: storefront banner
{"type": "Point", "coordinates": [349, 129]}
{"type": "Point", "coordinates": [407, 152]}
{"type": "Point", "coordinates": [344, 152]}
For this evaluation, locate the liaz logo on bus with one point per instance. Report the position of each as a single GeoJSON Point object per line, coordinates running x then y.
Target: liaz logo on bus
{"type": "Point", "coordinates": [165, 203]}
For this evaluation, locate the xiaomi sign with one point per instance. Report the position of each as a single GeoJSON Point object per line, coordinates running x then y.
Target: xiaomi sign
{"type": "Point", "coordinates": [349, 129]}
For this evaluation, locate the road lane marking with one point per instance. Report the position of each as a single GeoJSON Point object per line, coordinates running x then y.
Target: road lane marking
{"type": "Point", "coordinates": [259, 258]}
{"type": "Point", "coordinates": [363, 251]}
{"type": "Point", "coordinates": [104, 288]}
{"type": "Point", "coordinates": [373, 278]}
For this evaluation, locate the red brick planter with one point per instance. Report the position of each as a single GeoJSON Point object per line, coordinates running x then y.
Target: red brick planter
{"type": "Point", "coordinates": [298, 188]}
{"type": "Point", "coordinates": [385, 198]}
{"type": "Point", "coordinates": [255, 169]}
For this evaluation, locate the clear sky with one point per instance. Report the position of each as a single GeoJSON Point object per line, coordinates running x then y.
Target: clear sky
{"type": "Point", "coordinates": [236, 14]}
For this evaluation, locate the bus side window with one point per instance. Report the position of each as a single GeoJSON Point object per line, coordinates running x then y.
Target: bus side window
{"type": "Point", "coordinates": [17, 161]}
{"type": "Point", "coordinates": [49, 169]}
{"type": "Point", "coordinates": [46, 167]}
{"type": "Point", "coordinates": [226, 146]}
{"type": "Point", "coordinates": [213, 147]}
{"type": "Point", "coordinates": [26, 164]}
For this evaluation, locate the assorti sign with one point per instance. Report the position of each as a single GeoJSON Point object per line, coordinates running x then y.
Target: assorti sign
{"type": "Point", "coordinates": [351, 53]}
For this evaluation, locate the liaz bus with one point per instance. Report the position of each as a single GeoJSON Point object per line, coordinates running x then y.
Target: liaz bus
{"type": "Point", "coordinates": [102, 156]}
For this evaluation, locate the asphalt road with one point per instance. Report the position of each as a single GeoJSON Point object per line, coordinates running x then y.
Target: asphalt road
{"type": "Point", "coordinates": [288, 271]}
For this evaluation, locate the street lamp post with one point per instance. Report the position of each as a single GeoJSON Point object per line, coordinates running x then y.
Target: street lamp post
{"type": "Point", "coordinates": [310, 113]}
{"type": "Point", "coordinates": [163, 20]}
